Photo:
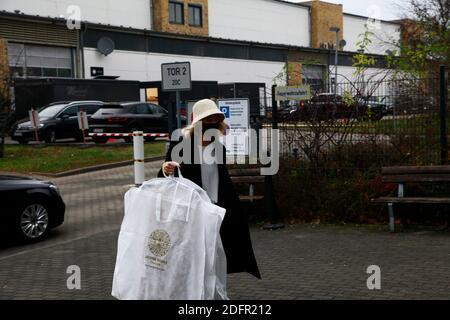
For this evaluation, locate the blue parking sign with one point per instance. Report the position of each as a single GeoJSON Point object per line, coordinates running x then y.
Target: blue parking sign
{"type": "Point", "coordinates": [226, 111]}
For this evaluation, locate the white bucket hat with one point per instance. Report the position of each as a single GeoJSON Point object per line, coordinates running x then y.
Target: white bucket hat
{"type": "Point", "coordinates": [204, 108]}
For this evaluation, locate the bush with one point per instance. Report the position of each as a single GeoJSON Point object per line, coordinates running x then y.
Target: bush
{"type": "Point", "coordinates": [341, 188]}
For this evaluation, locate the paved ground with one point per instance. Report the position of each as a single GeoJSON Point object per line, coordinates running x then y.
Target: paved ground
{"type": "Point", "coordinates": [298, 262]}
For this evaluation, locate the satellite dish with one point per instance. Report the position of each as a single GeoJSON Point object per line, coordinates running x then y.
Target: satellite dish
{"type": "Point", "coordinates": [105, 45]}
{"type": "Point", "coordinates": [343, 43]}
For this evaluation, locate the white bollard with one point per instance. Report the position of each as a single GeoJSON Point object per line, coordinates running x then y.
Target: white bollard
{"type": "Point", "coordinates": [138, 148]}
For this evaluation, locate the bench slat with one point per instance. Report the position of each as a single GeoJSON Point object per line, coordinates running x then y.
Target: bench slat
{"type": "Point", "coordinates": [247, 179]}
{"type": "Point", "coordinates": [244, 172]}
{"type": "Point", "coordinates": [250, 198]}
{"type": "Point", "coordinates": [416, 178]}
{"type": "Point", "coordinates": [411, 200]}
{"type": "Point", "coordinates": [399, 170]}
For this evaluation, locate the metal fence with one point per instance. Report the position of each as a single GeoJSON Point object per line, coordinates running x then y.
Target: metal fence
{"type": "Point", "coordinates": [399, 121]}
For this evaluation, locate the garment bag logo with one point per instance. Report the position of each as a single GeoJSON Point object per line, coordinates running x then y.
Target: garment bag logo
{"type": "Point", "coordinates": [159, 243]}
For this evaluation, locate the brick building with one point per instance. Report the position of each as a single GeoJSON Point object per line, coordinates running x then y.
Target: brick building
{"type": "Point", "coordinates": [228, 41]}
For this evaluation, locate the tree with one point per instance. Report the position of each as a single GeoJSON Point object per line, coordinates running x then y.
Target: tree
{"type": "Point", "coordinates": [425, 38]}
{"type": "Point", "coordinates": [5, 101]}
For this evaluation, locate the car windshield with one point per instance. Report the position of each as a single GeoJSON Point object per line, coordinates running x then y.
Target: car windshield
{"type": "Point", "coordinates": [51, 111]}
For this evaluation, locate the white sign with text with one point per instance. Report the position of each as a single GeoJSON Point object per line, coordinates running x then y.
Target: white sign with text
{"type": "Point", "coordinates": [34, 118]}
{"type": "Point", "coordinates": [236, 113]}
{"type": "Point", "coordinates": [82, 120]}
{"type": "Point", "coordinates": [293, 93]}
{"type": "Point", "coordinates": [176, 76]}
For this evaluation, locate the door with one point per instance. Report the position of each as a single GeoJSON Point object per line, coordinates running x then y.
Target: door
{"type": "Point", "coordinates": [67, 125]}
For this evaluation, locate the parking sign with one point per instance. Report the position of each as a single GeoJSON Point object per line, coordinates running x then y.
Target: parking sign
{"type": "Point", "coordinates": [226, 111]}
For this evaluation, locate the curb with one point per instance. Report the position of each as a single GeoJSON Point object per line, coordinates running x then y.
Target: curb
{"type": "Point", "coordinates": [95, 168]}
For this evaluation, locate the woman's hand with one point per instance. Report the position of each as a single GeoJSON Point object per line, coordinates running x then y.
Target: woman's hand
{"type": "Point", "coordinates": [169, 167]}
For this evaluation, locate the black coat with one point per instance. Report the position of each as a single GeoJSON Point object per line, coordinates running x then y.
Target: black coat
{"type": "Point", "coordinates": [234, 231]}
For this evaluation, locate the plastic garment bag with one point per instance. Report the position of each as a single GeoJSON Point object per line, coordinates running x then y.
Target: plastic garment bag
{"type": "Point", "coordinates": [169, 245]}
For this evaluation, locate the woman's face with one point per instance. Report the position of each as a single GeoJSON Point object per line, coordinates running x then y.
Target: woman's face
{"type": "Point", "coordinates": [212, 119]}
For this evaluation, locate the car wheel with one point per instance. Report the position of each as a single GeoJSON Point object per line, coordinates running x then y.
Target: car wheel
{"type": "Point", "coordinates": [33, 221]}
{"type": "Point", "coordinates": [50, 136]}
{"type": "Point", "coordinates": [100, 140]}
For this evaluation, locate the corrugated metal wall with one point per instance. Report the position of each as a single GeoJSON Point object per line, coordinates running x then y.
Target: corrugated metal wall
{"type": "Point", "coordinates": [24, 31]}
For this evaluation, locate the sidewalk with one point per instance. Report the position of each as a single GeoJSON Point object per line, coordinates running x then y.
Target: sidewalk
{"type": "Point", "coordinates": [298, 262]}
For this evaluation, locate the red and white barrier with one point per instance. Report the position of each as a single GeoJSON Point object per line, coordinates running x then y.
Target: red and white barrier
{"type": "Point", "coordinates": [119, 135]}
{"type": "Point", "coordinates": [138, 150]}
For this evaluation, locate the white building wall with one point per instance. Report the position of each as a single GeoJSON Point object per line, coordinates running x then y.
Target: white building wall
{"type": "Point", "coordinates": [260, 21]}
{"type": "Point", "coordinates": [128, 13]}
{"type": "Point", "coordinates": [385, 34]}
{"type": "Point", "coordinates": [143, 66]}
{"type": "Point", "coordinates": [347, 74]}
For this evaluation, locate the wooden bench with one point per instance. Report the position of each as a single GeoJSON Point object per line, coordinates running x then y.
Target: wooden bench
{"type": "Point", "coordinates": [410, 174]}
{"type": "Point", "coordinates": [250, 177]}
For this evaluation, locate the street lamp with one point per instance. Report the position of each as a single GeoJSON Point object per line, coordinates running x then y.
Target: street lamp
{"type": "Point", "coordinates": [336, 29]}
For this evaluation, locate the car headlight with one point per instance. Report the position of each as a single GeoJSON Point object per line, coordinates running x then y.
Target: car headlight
{"type": "Point", "coordinates": [30, 127]}
{"type": "Point", "coordinates": [55, 188]}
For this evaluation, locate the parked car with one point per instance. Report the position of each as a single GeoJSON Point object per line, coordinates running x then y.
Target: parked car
{"type": "Point", "coordinates": [374, 107]}
{"type": "Point", "coordinates": [325, 106]}
{"type": "Point", "coordinates": [58, 120]}
{"type": "Point", "coordinates": [285, 109]}
{"type": "Point", "coordinates": [30, 207]}
{"type": "Point", "coordinates": [128, 117]}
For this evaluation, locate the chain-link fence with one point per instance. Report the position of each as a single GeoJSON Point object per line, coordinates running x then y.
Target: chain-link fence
{"type": "Point", "coordinates": [332, 147]}
{"type": "Point", "coordinates": [386, 119]}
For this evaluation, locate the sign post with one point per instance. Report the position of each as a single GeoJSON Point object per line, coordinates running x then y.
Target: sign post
{"type": "Point", "coordinates": [83, 123]}
{"type": "Point", "coordinates": [35, 122]}
{"type": "Point", "coordinates": [176, 77]}
{"type": "Point", "coordinates": [271, 202]}
{"type": "Point", "coordinates": [190, 106]}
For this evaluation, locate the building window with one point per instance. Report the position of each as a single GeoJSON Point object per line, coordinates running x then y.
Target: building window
{"type": "Point", "coordinates": [195, 15]}
{"type": "Point", "coordinates": [176, 12]}
{"type": "Point", "coordinates": [39, 61]}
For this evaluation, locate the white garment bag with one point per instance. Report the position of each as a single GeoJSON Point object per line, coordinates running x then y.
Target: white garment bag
{"type": "Point", "coordinates": [169, 245]}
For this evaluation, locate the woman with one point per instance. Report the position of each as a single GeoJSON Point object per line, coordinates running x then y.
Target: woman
{"type": "Point", "coordinates": [215, 180]}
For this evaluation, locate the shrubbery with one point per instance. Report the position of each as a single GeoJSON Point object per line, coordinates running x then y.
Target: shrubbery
{"type": "Point", "coordinates": [341, 188]}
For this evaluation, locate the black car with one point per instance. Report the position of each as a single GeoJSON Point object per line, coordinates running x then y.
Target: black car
{"type": "Point", "coordinates": [58, 121]}
{"type": "Point", "coordinates": [330, 106]}
{"type": "Point", "coordinates": [376, 106]}
{"type": "Point", "coordinates": [323, 106]}
{"type": "Point", "coordinates": [29, 207]}
{"type": "Point", "coordinates": [128, 117]}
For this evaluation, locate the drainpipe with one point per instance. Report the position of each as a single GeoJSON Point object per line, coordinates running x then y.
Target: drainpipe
{"type": "Point", "coordinates": [310, 26]}
{"type": "Point", "coordinates": [80, 48]}
{"type": "Point", "coordinates": [152, 15]}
